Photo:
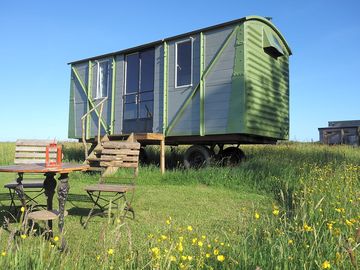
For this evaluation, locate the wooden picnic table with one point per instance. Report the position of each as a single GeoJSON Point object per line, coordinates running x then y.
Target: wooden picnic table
{"type": "Point", "coordinates": [49, 183]}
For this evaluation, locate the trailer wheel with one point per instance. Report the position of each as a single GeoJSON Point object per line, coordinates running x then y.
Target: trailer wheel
{"type": "Point", "coordinates": [197, 156]}
{"type": "Point", "coordinates": [232, 156]}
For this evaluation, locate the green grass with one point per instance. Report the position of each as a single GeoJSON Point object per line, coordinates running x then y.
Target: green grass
{"type": "Point", "coordinates": [289, 206]}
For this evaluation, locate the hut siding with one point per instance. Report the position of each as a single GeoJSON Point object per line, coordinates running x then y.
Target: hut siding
{"type": "Point", "coordinates": [158, 90]}
{"type": "Point", "coordinates": [265, 116]}
{"type": "Point", "coordinates": [119, 92]}
{"type": "Point", "coordinates": [80, 98]}
{"type": "Point", "coordinates": [106, 113]}
{"type": "Point", "coordinates": [190, 120]}
{"type": "Point", "coordinates": [218, 83]}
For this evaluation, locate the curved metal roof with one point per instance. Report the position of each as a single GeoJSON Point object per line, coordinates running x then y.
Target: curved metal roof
{"type": "Point", "coordinates": [154, 43]}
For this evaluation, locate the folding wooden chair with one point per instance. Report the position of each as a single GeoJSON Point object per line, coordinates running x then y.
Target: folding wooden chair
{"type": "Point", "coordinates": [115, 155]}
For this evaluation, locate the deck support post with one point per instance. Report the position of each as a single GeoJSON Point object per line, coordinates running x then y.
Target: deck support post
{"type": "Point", "coordinates": [162, 155]}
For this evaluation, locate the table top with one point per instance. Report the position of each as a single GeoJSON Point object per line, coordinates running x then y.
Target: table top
{"type": "Point", "coordinates": [41, 168]}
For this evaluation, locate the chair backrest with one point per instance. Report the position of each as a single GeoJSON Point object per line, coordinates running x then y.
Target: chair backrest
{"type": "Point", "coordinates": [120, 154]}
{"type": "Point", "coordinates": [32, 151]}
{"type": "Point", "coordinates": [124, 154]}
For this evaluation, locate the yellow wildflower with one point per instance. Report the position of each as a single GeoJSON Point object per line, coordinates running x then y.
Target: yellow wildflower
{"type": "Point", "coordinates": [290, 242]}
{"type": "Point", "coordinates": [183, 258]}
{"type": "Point", "coordinates": [180, 247]}
{"type": "Point", "coordinates": [22, 209]}
{"type": "Point", "coordinates": [23, 236]}
{"type": "Point", "coordinates": [155, 251]}
{"type": "Point", "coordinates": [98, 257]}
{"type": "Point", "coordinates": [329, 226]}
{"type": "Point", "coordinates": [194, 240]}
{"type": "Point", "coordinates": [200, 243]}
{"type": "Point", "coordinates": [351, 240]}
{"type": "Point", "coordinates": [182, 266]}
{"type": "Point", "coordinates": [168, 221]}
{"type": "Point", "coordinates": [207, 255]}
{"type": "Point", "coordinates": [325, 265]}
{"type": "Point", "coordinates": [189, 258]}
{"type": "Point", "coordinates": [110, 251]}
{"type": "Point", "coordinates": [203, 237]}
{"type": "Point", "coordinates": [163, 237]}
{"type": "Point", "coordinates": [276, 212]}
{"type": "Point", "coordinates": [220, 258]}
{"type": "Point", "coordinates": [56, 238]}
{"type": "Point", "coordinates": [257, 215]}
{"type": "Point", "coordinates": [189, 228]}
{"type": "Point", "coordinates": [3, 253]}
{"type": "Point", "coordinates": [216, 251]}
{"type": "Point", "coordinates": [150, 236]}
{"type": "Point", "coordinates": [172, 258]}
{"type": "Point", "coordinates": [340, 210]}
{"type": "Point", "coordinates": [348, 222]}
{"type": "Point", "coordinates": [307, 228]}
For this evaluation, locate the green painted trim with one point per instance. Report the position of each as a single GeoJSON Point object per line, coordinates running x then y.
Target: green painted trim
{"type": "Point", "coordinates": [90, 101]}
{"type": "Point", "coordinates": [220, 51]}
{"type": "Point", "coordinates": [113, 89]}
{"type": "Point", "coordinates": [202, 84]}
{"type": "Point", "coordinates": [72, 117]}
{"type": "Point", "coordinates": [181, 110]}
{"type": "Point", "coordinates": [236, 114]}
{"type": "Point", "coordinates": [202, 77]}
{"type": "Point", "coordinates": [89, 95]}
{"type": "Point", "coordinates": [165, 88]}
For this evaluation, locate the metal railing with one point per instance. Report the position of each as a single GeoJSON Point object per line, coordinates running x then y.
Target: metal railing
{"type": "Point", "coordinates": [84, 117]}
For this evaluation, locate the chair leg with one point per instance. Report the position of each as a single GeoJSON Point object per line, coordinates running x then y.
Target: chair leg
{"type": "Point", "coordinates": [128, 205]}
{"type": "Point", "coordinates": [12, 198]}
{"type": "Point", "coordinates": [95, 203]}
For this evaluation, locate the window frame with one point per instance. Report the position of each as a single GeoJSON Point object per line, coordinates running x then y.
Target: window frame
{"type": "Point", "coordinates": [138, 93]}
{"type": "Point", "coordinates": [191, 39]}
{"type": "Point", "coordinates": [98, 92]}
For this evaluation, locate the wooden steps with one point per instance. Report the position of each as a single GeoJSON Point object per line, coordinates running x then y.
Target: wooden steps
{"type": "Point", "coordinates": [105, 154]}
{"type": "Point", "coordinates": [99, 164]}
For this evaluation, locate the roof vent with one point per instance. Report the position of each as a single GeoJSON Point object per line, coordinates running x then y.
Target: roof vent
{"type": "Point", "coordinates": [272, 45]}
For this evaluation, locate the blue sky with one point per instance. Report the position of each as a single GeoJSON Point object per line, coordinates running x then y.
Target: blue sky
{"type": "Point", "coordinates": [39, 38]}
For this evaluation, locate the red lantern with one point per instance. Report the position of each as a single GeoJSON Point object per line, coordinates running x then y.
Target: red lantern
{"type": "Point", "coordinates": [50, 161]}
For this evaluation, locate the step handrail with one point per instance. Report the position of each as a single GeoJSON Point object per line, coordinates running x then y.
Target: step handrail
{"type": "Point", "coordinates": [84, 117]}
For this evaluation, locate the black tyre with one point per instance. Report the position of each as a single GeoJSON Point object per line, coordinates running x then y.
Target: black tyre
{"type": "Point", "coordinates": [232, 156]}
{"type": "Point", "coordinates": [197, 156]}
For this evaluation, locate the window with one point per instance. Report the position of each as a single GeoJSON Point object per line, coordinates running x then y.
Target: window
{"type": "Point", "coordinates": [183, 67]}
{"type": "Point", "coordinates": [102, 79]}
{"type": "Point", "coordinates": [139, 90]}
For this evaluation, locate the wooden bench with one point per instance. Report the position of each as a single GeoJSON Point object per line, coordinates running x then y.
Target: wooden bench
{"type": "Point", "coordinates": [115, 155]}
{"type": "Point", "coordinates": [28, 152]}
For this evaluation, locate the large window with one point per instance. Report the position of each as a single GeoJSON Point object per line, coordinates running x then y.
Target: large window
{"type": "Point", "coordinates": [139, 94]}
{"type": "Point", "coordinates": [102, 79]}
{"type": "Point", "coordinates": [183, 67]}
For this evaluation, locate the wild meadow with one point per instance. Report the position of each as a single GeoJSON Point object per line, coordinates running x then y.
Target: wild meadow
{"type": "Point", "coordinates": [288, 206]}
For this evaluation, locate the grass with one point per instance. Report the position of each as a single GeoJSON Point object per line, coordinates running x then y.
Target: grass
{"type": "Point", "coordinates": [289, 206]}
